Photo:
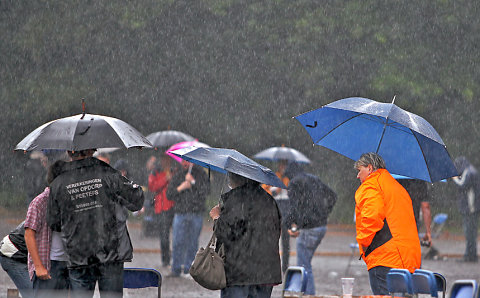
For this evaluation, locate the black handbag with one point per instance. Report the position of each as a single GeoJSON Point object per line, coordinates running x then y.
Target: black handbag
{"type": "Point", "coordinates": [207, 268]}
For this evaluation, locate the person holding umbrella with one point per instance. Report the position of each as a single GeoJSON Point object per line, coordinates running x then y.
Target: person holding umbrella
{"type": "Point", "coordinates": [247, 224]}
{"type": "Point", "coordinates": [188, 189]}
{"type": "Point", "coordinates": [82, 206]}
{"type": "Point", "coordinates": [385, 223]}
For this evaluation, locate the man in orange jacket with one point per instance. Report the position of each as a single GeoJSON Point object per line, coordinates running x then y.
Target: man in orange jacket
{"type": "Point", "coordinates": [386, 231]}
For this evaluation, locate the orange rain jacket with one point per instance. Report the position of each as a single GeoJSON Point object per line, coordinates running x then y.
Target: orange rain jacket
{"type": "Point", "coordinates": [386, 230]}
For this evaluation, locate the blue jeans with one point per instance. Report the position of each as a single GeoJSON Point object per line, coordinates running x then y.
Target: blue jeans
{"type": "Point", "coordinates": [186, 230]}
{"type": "Point", "coordinates": [109, 277]}
{"type": "Point", "coordinates": [18, 272]}
{"type": "Point", "coordinates": [57, 286]}
{"type": "Point", "coordinates": [307, 243]}
{"type": "Point", "coordinates": [378, 280]}
{"type": "Point", "coordinates": [254, 291]}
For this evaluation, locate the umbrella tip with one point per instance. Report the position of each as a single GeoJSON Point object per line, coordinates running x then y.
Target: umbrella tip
{"type": "Point", "coordinates": [393, 101]}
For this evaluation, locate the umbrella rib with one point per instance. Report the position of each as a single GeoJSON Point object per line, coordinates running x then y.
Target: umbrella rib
{"type": "Point", "coordinates": [346, 120]}
{"type": "Point", "coordinates": [385, 126]}
{"type": "Point", "coordinates": [421, 149]}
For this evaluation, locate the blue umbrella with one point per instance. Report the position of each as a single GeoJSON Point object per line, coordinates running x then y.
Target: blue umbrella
{"type": "Point", "coordinates": [409, 144]}
{"type": "Point", "coordinates": [228, 160]}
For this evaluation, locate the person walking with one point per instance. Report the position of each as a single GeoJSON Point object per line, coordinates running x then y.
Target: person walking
{"type": "Point", "coordinates": [311, 203]}
{"type": "Point", "coordinates": [468, 204]}
{"type": "Point", "coordinates": [188, 189]}
{"type": "Point", "coordinates": [13, 259]}
{"type": "Point", "coordinates": [247, 225]}
{"type": "Point", "coordinates": [82, 206]}
{"type": "Point", "coordinates": [157, 183]}
{"type": "Point", "coordinates": [387, 233]}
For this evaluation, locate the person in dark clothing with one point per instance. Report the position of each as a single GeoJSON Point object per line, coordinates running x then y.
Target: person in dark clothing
{"type": "Point", "coordinates": [188, 188]}
{"type": "Point", "coordinates": [13, 258]}
{"type": "Point", "coordinates": [247, 224]}
{"type": "Point", "coordinates": [468, 201]}
{"type": "Point", "coordinates": [311, 202]}
{"type": "Point", "coordinates": [419, 193]}
{"type": "Point", "coordinates": [82, 206]}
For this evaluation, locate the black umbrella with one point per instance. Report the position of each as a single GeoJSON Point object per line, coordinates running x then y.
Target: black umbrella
{"type": "Point", "coordinates": [167, 138]}
{"type": "Point", "coordinates": [83, 131]}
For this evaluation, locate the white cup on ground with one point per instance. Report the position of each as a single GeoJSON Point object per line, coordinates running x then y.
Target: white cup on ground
{"type": "Point", "coordinates": [347, 286]}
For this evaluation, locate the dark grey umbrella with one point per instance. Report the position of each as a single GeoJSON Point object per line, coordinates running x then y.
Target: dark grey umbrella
{"type": "Point", "coordinates": [83, 131]}
{"type": "Point", "coordinates": [167, 138]}
{"type": "Point", "coordinates": [229, 160]}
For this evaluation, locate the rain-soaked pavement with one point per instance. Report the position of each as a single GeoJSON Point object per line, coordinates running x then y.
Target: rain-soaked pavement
{"type": "Point", "coordinates": [329, 263]}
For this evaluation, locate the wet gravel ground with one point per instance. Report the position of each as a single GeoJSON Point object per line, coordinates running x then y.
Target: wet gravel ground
{"type": "Point", "coordinates": [329, 263]}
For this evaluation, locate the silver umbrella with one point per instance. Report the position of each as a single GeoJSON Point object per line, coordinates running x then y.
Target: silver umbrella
{"type": "Point", "coordinates": [282, 153]}
{"type": "Point", "coordinates": [167, 138]}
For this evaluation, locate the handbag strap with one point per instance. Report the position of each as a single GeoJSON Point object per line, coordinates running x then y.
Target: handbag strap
{"type": "Point", "coordinates": [213, 241]}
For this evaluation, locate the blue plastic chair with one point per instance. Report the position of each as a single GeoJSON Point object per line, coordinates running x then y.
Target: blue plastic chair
{"type": "Point", "coordinates": [441, 283]}
{"type": "Point", "coordinates": [399, 283]}
{"type": "Point", "coordinates": [295, 281]}
{"type": "Point", "coordinates": [424, 282]}
{"type": "Point", "coordinates": [464, 288]}
{"type": "Point", "coordinates": [135, 278]}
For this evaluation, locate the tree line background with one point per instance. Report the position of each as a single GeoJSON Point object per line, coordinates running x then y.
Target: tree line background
{"type": "Point", "coordinates": [233, 73]}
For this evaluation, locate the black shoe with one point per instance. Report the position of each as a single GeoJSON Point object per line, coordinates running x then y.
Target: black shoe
{"type": "Point", "coordinates": [468, 260]}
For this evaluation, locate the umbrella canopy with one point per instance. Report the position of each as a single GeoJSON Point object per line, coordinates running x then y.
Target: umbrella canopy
{"type": "Point", "coordinates": [181, 145]}
{"type": "Point", "coordinates": [167, 138]}
{"type": "Point", "coordinates": [228, 160]}
{"type": "Point", "coordinates": [409, 145]}
{"type": "Point", "coordinates": [282, 153]}
{"type": "Point", "coordinates": [83, 131]}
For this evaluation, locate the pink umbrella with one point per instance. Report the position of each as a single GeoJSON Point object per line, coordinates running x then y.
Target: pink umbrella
{"type": "Point", "coordinates": [181, 145]}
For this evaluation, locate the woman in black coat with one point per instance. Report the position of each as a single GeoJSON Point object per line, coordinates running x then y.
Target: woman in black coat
{"type": "Point", "coordinates": [247, 224]}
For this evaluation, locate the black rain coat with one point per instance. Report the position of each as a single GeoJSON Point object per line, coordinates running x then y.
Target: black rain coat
{"type": "Point", "coordinates": [249, 229]}
{"type": "Point", "coordinates": [82, 205]}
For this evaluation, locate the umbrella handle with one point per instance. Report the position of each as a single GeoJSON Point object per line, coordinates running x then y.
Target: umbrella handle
{"type": "Point", "coordinates": [190, 169]}
{"type": "Point", "coordinates": [83, 109]}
